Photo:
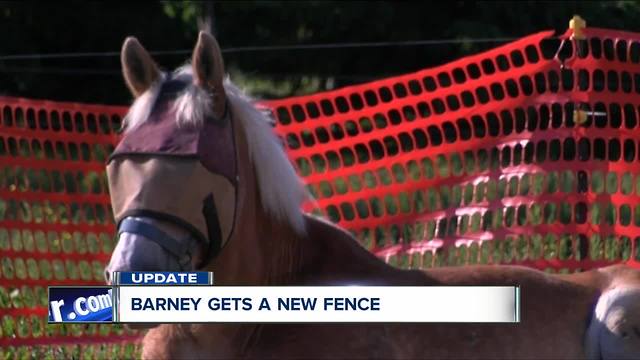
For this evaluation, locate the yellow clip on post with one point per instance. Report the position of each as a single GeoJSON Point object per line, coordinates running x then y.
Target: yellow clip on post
{"type": "Point", "coordinates": [579, 116]}
{"type": "Point", "coordinates": [577, 24]}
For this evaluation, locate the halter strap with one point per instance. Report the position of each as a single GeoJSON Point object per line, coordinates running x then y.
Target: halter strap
{"type": "Point", "coordinates": [154, 234]}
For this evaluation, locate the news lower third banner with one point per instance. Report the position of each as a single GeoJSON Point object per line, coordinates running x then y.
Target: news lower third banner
{"type": "Point", "coordinates": [164, 297]}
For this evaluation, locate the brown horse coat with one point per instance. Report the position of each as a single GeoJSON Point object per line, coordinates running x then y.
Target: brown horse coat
{"type": "Point", "coordinates": [556, 311]}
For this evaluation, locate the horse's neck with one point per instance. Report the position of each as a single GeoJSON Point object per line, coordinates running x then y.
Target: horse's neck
{"type": "Point", "coordinates": [330, 255]}
{"type": "Point", "coordinates": [605, 278]}
{"type": "Point", "coordinates": [324, 255]}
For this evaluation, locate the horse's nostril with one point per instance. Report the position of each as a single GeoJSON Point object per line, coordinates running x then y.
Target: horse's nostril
{"type": "Point", "coordinates": [107, 276]}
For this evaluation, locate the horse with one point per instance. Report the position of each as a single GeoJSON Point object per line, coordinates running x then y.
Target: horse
{"type": "Point", "coordinates": [200, 181]}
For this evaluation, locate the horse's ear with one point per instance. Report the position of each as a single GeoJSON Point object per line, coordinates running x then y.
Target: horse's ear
{"type": "Point", "coordinates": [208, 69]}
{"type": "Point", "coordinates": [138, 68]}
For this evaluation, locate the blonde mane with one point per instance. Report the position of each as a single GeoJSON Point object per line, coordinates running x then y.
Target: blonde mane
{"type": "Point", "coordinates": [280, 188]}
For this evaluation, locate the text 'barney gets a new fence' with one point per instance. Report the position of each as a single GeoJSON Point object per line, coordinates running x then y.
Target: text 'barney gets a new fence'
{"type": "Point", "coordinates": [524, 154]}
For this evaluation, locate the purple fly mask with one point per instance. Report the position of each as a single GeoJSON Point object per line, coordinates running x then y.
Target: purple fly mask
{"type": "Point", "coordinates": [173, 176]}
{"type": "Point", "coordinates": [182, 174]}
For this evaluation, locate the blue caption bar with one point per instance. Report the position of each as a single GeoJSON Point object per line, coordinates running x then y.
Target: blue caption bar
{"type": "Point", "coordinates": [164, 278]}
{"type": "Point", "coordinates": [75, 304]}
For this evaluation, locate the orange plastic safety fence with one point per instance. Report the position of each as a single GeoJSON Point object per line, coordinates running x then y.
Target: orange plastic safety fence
{"type": "Point", "coordinates": [55, 224]}
{"type": "Point", "coordinates": [524, 154]}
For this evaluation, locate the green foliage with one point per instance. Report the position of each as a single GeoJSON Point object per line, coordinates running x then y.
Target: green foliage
{"type": "Point", "coordinates": [187, 11]}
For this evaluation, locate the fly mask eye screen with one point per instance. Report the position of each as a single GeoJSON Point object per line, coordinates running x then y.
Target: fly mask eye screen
{"type": "Point", "coordinates": [185, 175]}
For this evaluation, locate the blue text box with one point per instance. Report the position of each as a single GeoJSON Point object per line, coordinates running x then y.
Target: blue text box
{"type": "Point", "coordinates": [164, 278]}
{"type": "Point", "coordinates": [73, 304]}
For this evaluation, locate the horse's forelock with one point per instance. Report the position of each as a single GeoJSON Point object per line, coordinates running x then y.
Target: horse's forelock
{"type": "Point", "coordinates": [141, 109]}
